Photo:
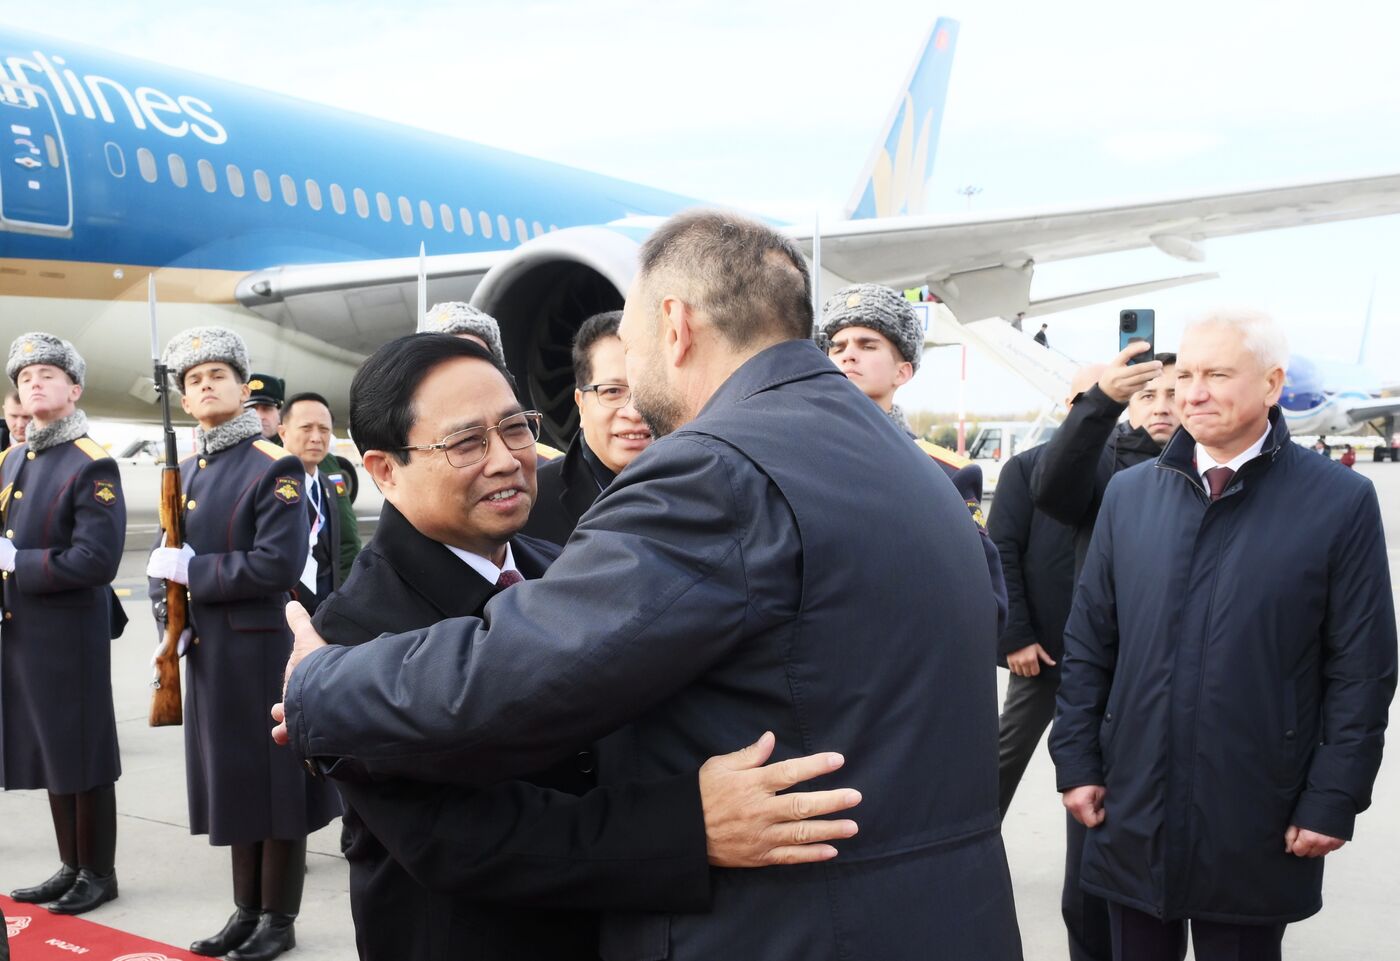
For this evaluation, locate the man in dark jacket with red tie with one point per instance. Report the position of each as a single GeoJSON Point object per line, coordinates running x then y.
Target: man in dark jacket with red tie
{"type": "Point", "coordinates": [1229, 664]}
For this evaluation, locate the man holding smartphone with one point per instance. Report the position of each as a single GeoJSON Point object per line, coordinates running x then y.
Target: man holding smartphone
{"type": "Point", "coordinates": [1068, 484]}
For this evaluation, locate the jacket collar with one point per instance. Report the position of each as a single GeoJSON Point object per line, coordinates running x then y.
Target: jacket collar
{"type": "Point", "coordinates": [443, 579]}
{"type": "Point", "coordinates": [782, 363]}
{"type": "Point", "coordinates": [581, 484]}
{"type": "Point", "coordinates": [1180, 452]}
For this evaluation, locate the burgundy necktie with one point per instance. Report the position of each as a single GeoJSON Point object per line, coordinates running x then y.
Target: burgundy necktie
{"type": "Point", "coordinates": [1218, 478]}
{"type": "Point", "coordinates": [508, 579]}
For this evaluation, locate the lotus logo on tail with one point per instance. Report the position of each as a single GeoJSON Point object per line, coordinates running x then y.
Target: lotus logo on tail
{"type": "Point", "coordinates": [13, 926]}
{"type": "Point", "coordinates": [899, 181]}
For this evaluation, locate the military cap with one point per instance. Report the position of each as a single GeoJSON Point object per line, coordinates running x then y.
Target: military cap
{"type": "Point", "coordinates": [205, 345]}
{"type": "Point", "coordinates": [266, 389]}
{"type": "Point", "coordinates": [37, 347]}
{"type": "Point", "coordinates": [458, 317]}
{"type": "Point", "coordinates": [881, 309]}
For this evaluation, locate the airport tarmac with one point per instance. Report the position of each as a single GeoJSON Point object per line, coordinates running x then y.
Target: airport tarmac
{"type": "Point", "coordinates": [175, 888]}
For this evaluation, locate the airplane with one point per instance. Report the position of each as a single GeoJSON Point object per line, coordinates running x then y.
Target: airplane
{"type": "Point", "coordinates": [297, 224]}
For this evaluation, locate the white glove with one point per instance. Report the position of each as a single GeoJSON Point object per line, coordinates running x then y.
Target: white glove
{"type": "Point", "coordinates": [171, 563]}
{"type": "Point", "coordinates": [7, 555]}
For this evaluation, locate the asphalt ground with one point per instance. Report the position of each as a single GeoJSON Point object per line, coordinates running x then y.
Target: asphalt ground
{"type": "Point", "coordinates": [175, 887]}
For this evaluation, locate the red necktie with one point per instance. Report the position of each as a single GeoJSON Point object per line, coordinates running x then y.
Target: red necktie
{"type": "Point", "coordinates": [1218, 478]}
{"type": "Point", "coordinates": [508, 579]}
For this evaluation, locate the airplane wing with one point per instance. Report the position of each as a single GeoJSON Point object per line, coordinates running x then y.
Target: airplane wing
{"type": "Point", "coordinates": [981, 266]}
{"type": "Point", "coordinates": [360, 304]}
{"type": "Point", "coordinates": [1380, 407]}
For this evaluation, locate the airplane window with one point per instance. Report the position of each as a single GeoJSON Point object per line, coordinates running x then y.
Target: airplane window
{"type": "Point", "coordinates": [206, 176]}
{"type": "Point", "coordinates": [445, 215]}
{"type": "Point", "coordinates": [425, 213]}
{"type": "Point", "coordinates": [289, 190]}
{"type": "Point", "coordinates": [382, 199]}
{"type": "Point", "coordinates": [504, 225]}
{"type": "Point", "coordinates": [406, 211]}
{"type": "Point", "coordinates": [235, 180]}
{"type": "Point", "coordinates": [537, 228]}
{"type": "Point", "coordinates": [262, 185]}
{"type": "Point", "coordinates": [361, 202]}
{"type": "Point", "coordinates": [178, 174]}
{"type": "Point", "coordinates": [522, 233]}
{"type": "Point", "coordinates": [116, 160]}
{"type": "Point", "coordinates": [467, 227]}
{"type": "Point", "coordinates": [337, 199]}
{"type": "Point", "coordinates": [313, 194]}
{"type": "Point", "coordinates": [146, 161]}
{"type": "Point", "coordinates": [485, 223]}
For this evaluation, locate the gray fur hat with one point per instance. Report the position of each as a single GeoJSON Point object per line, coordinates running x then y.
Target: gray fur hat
{"type": "Point", "coordinates": [205, 345]}
{"type": "Point", "coordinates": [883, 310]}
{"type": "Point", "coordinates": [460, 317]}
{"type": "Point", "coordinates": [38, 347]}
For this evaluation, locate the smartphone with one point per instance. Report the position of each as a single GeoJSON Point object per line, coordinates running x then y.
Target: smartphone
{"type": "Point", "coordinates": [1135, 326]}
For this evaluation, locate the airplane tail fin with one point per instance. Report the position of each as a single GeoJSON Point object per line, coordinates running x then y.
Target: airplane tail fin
{"type": "Point", "coordinates": [894, 178]}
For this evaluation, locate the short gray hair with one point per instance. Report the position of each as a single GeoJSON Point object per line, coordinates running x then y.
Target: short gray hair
{"type": "Point", "coordinates": [1261, 333]}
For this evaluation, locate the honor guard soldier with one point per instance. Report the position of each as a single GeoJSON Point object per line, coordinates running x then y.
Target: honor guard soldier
{"type": "Point", "coordinates": [245, 524]}
{"type": "Point", "coordinates": [64, 526]}
{"type": "Point", "coordinates": [873, 335]}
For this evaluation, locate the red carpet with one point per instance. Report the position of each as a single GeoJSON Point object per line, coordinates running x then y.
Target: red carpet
{"type": "Point", "coordinates": [37, 935]}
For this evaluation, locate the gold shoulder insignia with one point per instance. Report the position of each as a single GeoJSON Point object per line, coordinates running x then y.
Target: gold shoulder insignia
{"type": "Point", "coordinates": [950, 457]}
{"type": "Point", "coordinates": [547, 452]}
{"type": "Point", "coordinates": [6, 452]}
{"type": "Point", "coordinates": [977, 515]}
{"type": "Point", "coordinates": [272, 450]}
{"type": "Point", "coordinates": [91, 448]}
{"type": "Point", "coordinates": [287, 490]}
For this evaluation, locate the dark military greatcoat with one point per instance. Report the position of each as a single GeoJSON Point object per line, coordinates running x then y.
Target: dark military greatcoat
{"type": "Point", "coordinates": [245, 518]}
{"type": "Point", "coordinates": [63, 509]}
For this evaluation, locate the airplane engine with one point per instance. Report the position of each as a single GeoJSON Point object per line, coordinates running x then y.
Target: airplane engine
{"type": "Point", "coordinates": [541, 295]}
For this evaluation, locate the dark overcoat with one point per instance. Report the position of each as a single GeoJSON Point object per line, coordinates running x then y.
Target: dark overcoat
{"type": "Point", "coordinates": [786, 561]}
{"type": "Point", "coordinates": [64, 511]}
{"type": "Point", "coordinates": [1228, 671]}
{"type": "Point", "coordinates": [1037, 556]}
{"type": "Point", "coordinates": [565, 488]}
{"type": "Point", "coordinates": [482, 874]}
{"type": "Point", "coordinates": [327, 549]}
{"type": "Point", "coordinates": [245, 518]}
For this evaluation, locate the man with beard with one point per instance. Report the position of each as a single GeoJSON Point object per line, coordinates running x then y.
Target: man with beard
{"type": "Point", "coordinates": [723, 584]}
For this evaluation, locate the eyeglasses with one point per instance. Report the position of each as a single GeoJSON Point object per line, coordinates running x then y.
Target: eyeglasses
{"type": "Point", "coordinates": [464, 448]}
{"type": "Point", "coordinates": [610, 395]}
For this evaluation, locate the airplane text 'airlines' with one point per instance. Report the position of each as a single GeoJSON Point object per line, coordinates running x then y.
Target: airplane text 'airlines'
{"type": "Point", "coordinates": [94, 95]}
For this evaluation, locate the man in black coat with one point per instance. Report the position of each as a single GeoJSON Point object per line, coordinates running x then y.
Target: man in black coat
{"type": "Point", "coordinates": [1229, 664]}
{"type": "Point", "coordinates": [725, 583]}
{"type": "Point", "coordinates": [246, 545]}
{"type": "Point", "coordinates": [64, 525]}
{"type": "Point", "coordinates": [306, 431]}
{"type": "Point", "coordinates": [1068, 484]}
{"type": "Point", "coordinates": [610, 436]}
{"type": "Point", "coordinates": [518, 870]}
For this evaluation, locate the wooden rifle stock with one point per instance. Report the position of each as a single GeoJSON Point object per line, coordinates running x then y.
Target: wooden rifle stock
{"type": "Point", "coordinates": [165, 698]}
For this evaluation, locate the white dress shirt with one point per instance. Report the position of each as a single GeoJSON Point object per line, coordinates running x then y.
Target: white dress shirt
{"type": "Point", "coordinates": [485, 567]}
{"type": "Point", "coordinates": [1205, 462]}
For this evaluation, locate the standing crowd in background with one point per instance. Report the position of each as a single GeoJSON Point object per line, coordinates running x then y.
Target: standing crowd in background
{"type": "Point", "coordinates": [677, 690]}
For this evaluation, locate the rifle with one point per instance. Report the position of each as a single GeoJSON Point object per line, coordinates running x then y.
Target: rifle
{"type": "Point", "coordinates": [165, 693]}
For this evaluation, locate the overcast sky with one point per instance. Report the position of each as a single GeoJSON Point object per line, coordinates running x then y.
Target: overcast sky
{"type": "Point", "coordinates": [774, 107]}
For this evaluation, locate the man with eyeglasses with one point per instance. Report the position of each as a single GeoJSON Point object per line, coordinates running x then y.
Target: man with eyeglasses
{"type": "Point", "coordinates": [516, 870]}
{"type": "Point", "coordinates": [611, 432]}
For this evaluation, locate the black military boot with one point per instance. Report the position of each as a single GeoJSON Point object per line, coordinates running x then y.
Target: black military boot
{"type": "Point", "coordinates": [274, 934]}
{"type": "Point", "coordinates": [55, 887]}
{"type": "Point", "coordinates": [239, 926]}
{"type": "Point", "coordinates": [88, 891]}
